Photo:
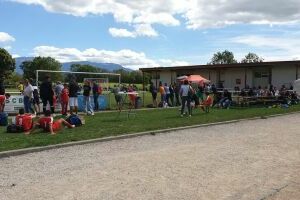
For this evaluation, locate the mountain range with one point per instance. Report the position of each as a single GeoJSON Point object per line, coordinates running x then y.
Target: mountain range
{"type": "Point", "coordinates": [67, 65]}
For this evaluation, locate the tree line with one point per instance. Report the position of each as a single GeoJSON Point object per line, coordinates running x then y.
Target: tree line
{"type": "Point", "coordinates": [8, 66]}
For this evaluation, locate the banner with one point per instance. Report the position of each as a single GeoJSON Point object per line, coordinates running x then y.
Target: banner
{"type": "Point", "coordinates": [13, 104]}
{"type": "Point", "coordinates": [102, 101]}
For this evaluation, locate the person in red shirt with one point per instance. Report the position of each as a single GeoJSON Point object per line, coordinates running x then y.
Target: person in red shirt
{"type": "Point", "coordinates": [3, 98]}
{"type": "Point", "coordinates": [206, 103]}
{"type": "Point", "coordinates": [64, 96]}
{"type": "Point", "coordinates": [24, 120]}
{"type": "Point", "coordinates": [132, 97]}
{"type": "Point", "coordinates": [49, 125]}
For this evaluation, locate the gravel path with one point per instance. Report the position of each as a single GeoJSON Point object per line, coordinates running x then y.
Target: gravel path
{"type": "Point", "coordinates": [257, 159]}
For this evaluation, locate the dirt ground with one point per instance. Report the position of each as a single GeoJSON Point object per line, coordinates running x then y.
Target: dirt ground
{"type": "Point", "coordinates": [258, 159]}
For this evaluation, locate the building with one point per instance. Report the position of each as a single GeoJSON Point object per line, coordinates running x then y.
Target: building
{"type": "Point", "coordinates": [239, 75]}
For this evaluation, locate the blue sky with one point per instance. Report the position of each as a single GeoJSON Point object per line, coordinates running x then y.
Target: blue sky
{"type": "Point", "coordinates": [150, 33]}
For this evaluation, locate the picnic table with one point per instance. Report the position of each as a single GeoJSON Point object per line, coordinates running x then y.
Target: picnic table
{"type": "Point", "coordinates": [246, 100]}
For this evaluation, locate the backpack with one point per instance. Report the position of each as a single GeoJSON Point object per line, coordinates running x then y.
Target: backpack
{"type": "Point", "coordinates": [3, 119]}
{"type": "Point", "coordinates": [12, 128]}
{"type": "Point", "coordinates": [190, 92]}
{"type": "Point", "coordinates": [74, 120]}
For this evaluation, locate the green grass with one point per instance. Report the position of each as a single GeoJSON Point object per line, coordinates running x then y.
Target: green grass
{"type": "Point", "coordinates": [109, 124]}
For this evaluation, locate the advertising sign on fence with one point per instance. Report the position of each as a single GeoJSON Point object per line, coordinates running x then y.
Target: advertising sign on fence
{"type": "Point", "coordinates": [13, 104]}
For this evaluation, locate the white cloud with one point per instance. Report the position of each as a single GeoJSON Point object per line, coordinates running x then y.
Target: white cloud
{"type": "Point", "coordinates": [115, 32]}
{"type": "Point", "coordinates": [273, 48]}
{"type": "Point", "coordinates": [157, 18]}
{"type": "Point", "coordinates": [168, 63]}
{"type": "Point", "coordinates": [5, 37]}
{"type": "Point", "coordinates": [145, 30]}
{"type": "Point", "coordinates": [125, 57]}
{"type": "Point", "coordinates": [140, 30]}
{"type": "Point", "coordinates": [218, 13]}
{"type": "Point", "coordinates": [198, 14]}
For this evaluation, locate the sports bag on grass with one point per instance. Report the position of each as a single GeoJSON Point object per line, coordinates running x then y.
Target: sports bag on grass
{"type": "Point", "coordinates": [74, 120]}
{"type": "Point", "coordinates": [12, 128]}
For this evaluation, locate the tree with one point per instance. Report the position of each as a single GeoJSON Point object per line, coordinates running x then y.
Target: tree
{"type": "Point", "coordinates": [7, 65]}
{"type": "Point", "coordinates": [252, 58]}
{"type": "Point", "coordinates": [13, 79]}
{"type": "Point", "coordinates": [225, 57]}
{"type": "Point", "coordinates": [41, 63]}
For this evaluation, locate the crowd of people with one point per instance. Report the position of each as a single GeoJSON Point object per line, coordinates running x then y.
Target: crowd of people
{"type": "Point", "coordinates": [51, 95]}
{"type": "Point", "coordinates": [63, 94]}
{"type": "Point", "coordinates": [184, 94]}
{"type": "Point", "coordinates": [203, 95]}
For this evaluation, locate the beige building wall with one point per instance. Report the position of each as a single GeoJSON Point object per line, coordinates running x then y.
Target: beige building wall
{"type": "Point", "coordinates": [167, 77]}
{"type": "Point", "coordinates": [233, 78]}
{"type": "Point", "coordinates": [283, 75]}
{"type": "Point", "coordinates": [249, 80]}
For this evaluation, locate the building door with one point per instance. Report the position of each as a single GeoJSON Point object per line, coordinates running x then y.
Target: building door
{"type": "Point", "coordinates": [261, 78]}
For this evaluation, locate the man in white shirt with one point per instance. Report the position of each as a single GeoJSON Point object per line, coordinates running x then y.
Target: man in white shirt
{"type": "Point", "coordinates": [28, 95]}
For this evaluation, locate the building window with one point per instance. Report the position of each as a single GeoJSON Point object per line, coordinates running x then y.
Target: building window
{"type": "Point", "coordinates": [261, 74]}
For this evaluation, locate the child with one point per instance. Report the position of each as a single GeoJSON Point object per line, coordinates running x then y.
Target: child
{"type": "Point", "coordinates": [36, 100]}
{"type": "Point", "coordinates": [206, 103]}
{"type": "Point", "coordinates": [64, 96]}
{"type": "Point", "coordinates": [24, 120]}
{"type": "Point", "coordinates": [3, 98]}
{"type": "Point", "coordinates": [49, 125]}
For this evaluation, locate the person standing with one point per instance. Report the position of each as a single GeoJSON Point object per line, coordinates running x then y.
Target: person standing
{"type": "Point", "coordinates": [36, 100]}
{"type": "Point", "coordinates": [171, 89]}
{"type": "Point", "coordinates": [47, 93]}
{"type": "Point", "coordinates": [153, 91]}
{"type": "Point", "coordinates": [73, 101]}
{"type": "Point", "coordinates": [132, 97]}
{"type": "Point", "coordinates": [167, 91]}
{"type": "Point", "coordinates": [86, 98]}
{"type": "Point", "coordinates": [118, 97]}
{"type": "Point", "coordinates": [28, 96]}
{"type": "Point", "coordinates": [64, 99]}
{"type": "Point", "coordinates": [58, 88]}
{"type": "Point", "coordinates": [200, 93]}
{"type": "Point", "coordinates": [176, 90]}
{"type": "Point", "coordinates": [185, 97]}
{"type": "Point", "coordinates": [162, 94]}
{"type": "Point", "coordinates": [20, 87]}
{"type": "Point", "coordinates": [3, 97]}
{"type": "Point", "coordinates": [96, 94]}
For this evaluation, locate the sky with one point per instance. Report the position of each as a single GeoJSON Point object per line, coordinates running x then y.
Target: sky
{"type": "Point", "coordinates": [150, 33]}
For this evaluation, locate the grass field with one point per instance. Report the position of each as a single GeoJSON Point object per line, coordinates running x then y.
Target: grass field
{"type": "Point", "coordinates": [110, 124]}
